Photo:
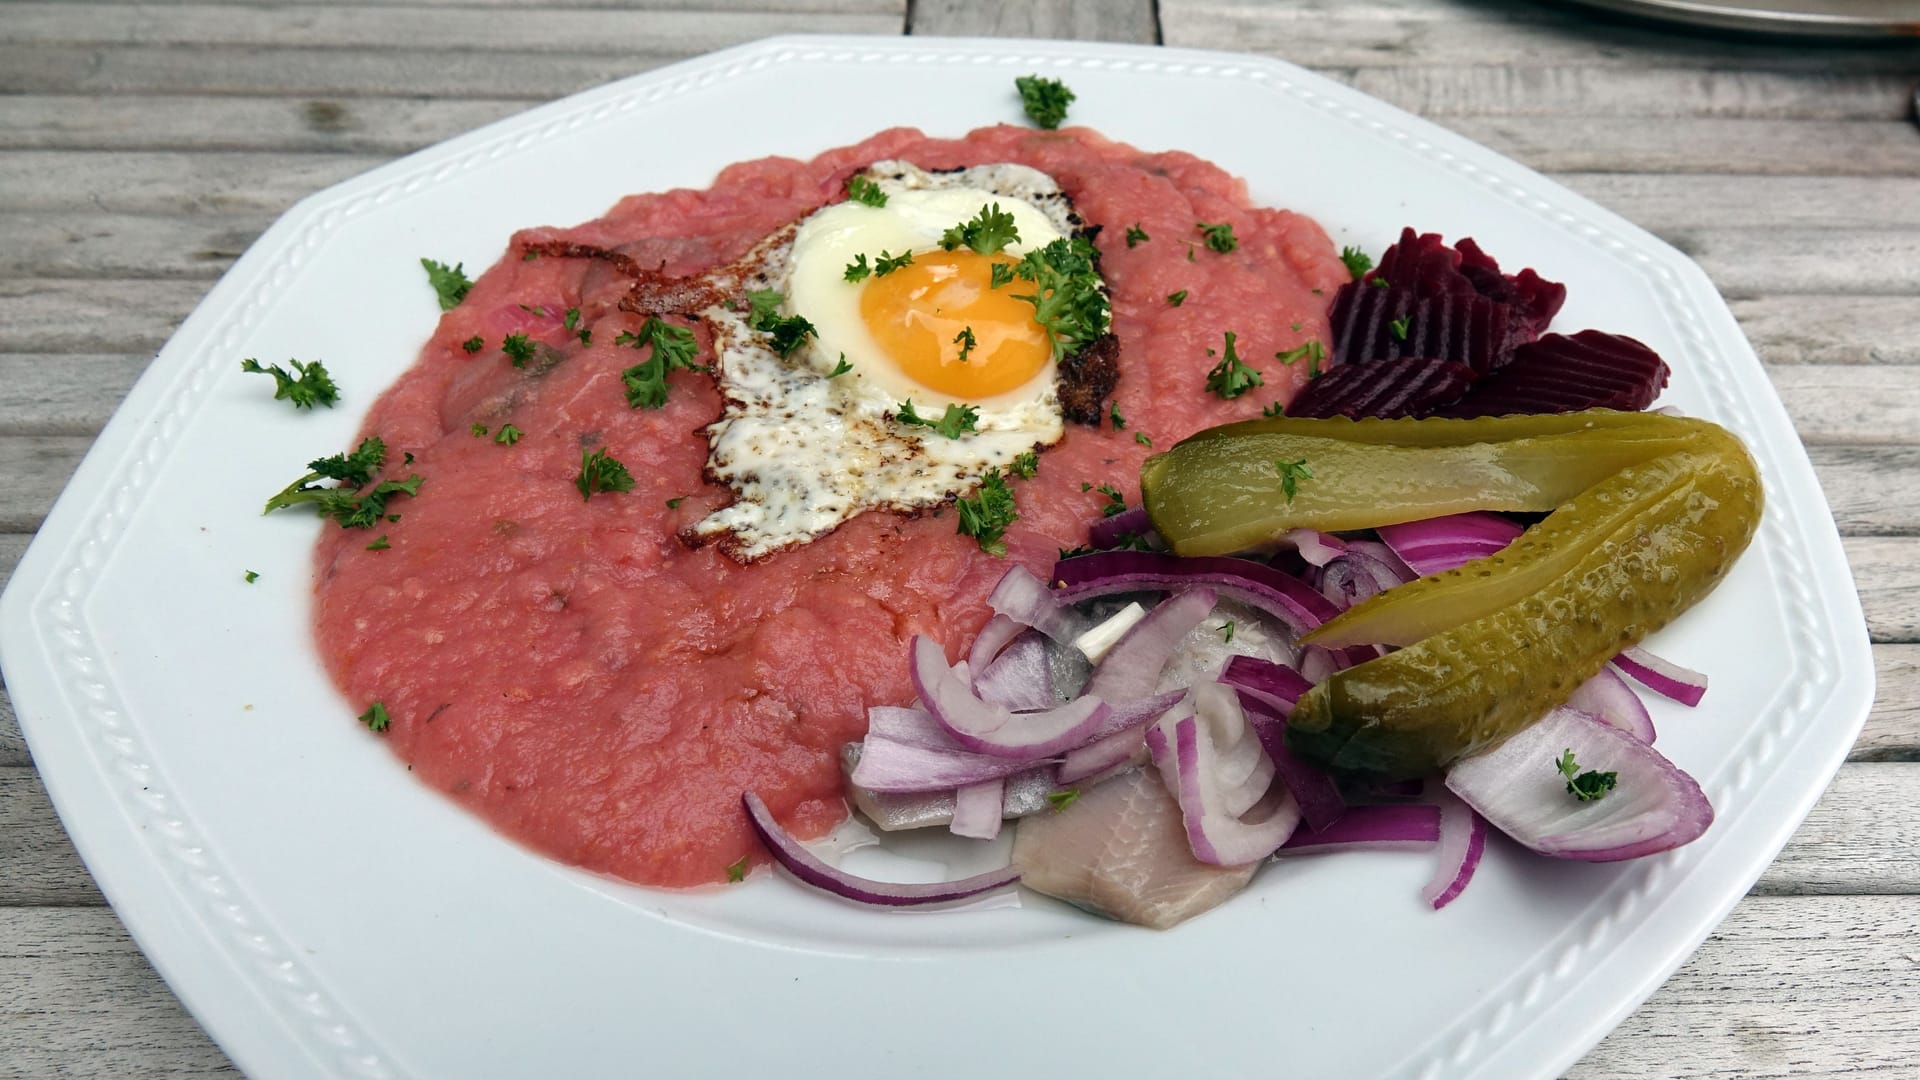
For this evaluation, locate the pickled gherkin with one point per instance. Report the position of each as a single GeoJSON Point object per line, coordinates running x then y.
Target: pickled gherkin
{"type": "Point", "coordinates": [1648, 512]}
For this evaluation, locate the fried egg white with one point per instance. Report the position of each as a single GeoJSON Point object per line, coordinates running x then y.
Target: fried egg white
{"type": "Point", "coordinates": [805, 449]}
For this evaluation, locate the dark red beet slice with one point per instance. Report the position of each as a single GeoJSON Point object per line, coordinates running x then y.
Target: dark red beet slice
{"type": "Point", "coordinates": [1558, 373]}
{"type": "Point", "coordinates": [1534, 299]}
{"type": "Point", "coordinates": [1411, 386]}
{"type": "Point", "coordinates": [1463, 327]}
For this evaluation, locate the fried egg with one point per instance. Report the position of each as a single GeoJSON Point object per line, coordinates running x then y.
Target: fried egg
{"type": "Point", "coordinates": [809, 439]}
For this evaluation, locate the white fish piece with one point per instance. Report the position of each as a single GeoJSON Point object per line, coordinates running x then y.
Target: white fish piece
{"type": "Point", "coordinates": [1026, 793]}
{"type": "Point", "coordinates": [1119, 850]}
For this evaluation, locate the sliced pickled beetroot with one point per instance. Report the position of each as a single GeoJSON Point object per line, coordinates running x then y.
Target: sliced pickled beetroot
{"type": "Point", "coordinates": [1561, 373]}
{"type": "Point", "coordinates": [1361, 322]}
{"type": "Point", "coordinates": [1410, 386]}
{"type": "Point", "coordinates": [1465, 328]}
{"type": "Point", "coordinates": [1534, 299]}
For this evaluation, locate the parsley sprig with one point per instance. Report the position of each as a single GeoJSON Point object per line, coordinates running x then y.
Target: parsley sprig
{"type": "Point", "coordinates": [346, 502]}
{"type": "Point", "coordinates": [966, 341]}
{"type": "Point", "coordinates": [1136, 235]}
{"type": "Point", "coordinates": [1358, 262]}
{"type": "Point", "coordinates": [988, 232]}
{"type": "Point", "coordinates": [955, 422]}
{"type": "Point", "coordinates": [1588, 786]}
{"type": "Point", "coordinates": [857, 270]}
{"type": "Point", "coordinates": [1232, 377]}
{"type": "Point", "coordinates": [1219, 237]}
{"type": "Point", "coordinates": [673, 347]}
{"type": "Point", "coordinates": [306, 385]}
{"type": "Point", "coordinates": [884, 264]}
{"type": "Point", "coordinates": [986, 514]}
{"type": "Point", "coordinates": [1291, 473]}
{"type": "Point", "coordinates": [787, 332]}
{"type": "Point", "coordinates": [1067, 299]}
{"type": "Point", "coordinates": [862, 189]}
{"type": "Point", "coordinates": [600, 472]}
{"type": "Point", "coordinates": [449, 283]}
{"type": "Point", "coordinates": [1045, 100]}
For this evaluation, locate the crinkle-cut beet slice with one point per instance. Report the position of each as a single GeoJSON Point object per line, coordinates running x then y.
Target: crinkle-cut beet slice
{"type": "Point", "coordinates": [1424, 263]}
{"type": "Point", "coordinates": [1534, 299]}
{"type": "Point", "coordinates": [1560, 373]}
{"type": "Point", "coordinates": [1361, 321]}
{"type": "Point", "coordinates": [1463, 327]}
{"type": "Point", "coordinates": [1410, 386]}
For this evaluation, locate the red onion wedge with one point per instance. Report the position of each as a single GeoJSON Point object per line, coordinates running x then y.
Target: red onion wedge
{"type": "Point", "coordinates": [1316, 547]}
{"type": "Point", "coordinates": [1608, 697]}
{"type": "Point", "coordinates": [1279, 594]}
{"type": "Point", "coordinates": [1401, 827]}
{"type": "Point", "coordinates": [1363, 570]}
{"type": "Point", "coordinates": [1020, 678]}
{"type": "Point", "coordinates": [1026, 600]}
{"type": "Point", "coordinates": [1663, 677]}
{"type": "Point", "coordinates": [812, 870]}
{"type": "Point", "coordinates": [1277, 686]}
{"type": "Point", "coordinates": [977, 809]}
{"type": "Point", "coordinates": [1130, 673]}
{"type": "Point", "coordinates": [1195, 770]}
{"type": "Point", "coordinates": [986, 728]}
{"type": "Point", "coordinates": [1440, 544]}
{"type": "Point", "coordinates": [893, 766]}
{"type": "Point", "coordinates": [1517, 787]}
{"type": "Point", "coordinates": [1117, 740]}
{"type": "Point", "coordinates": [1463, 839]}
{"type": "Point", "coordinates": [1313, 788]}
{"type": "Point", "coordinates": [996, 635]}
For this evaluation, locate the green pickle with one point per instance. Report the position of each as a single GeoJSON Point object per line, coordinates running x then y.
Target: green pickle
{"type": "Point", "coordinates": [1648, 512]}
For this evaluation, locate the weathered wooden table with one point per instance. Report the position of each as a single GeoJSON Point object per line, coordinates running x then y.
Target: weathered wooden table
{"type": "Point", "coordinates": [143, 146]}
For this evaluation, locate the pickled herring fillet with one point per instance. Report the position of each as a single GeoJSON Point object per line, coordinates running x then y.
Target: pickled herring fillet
{"type": "Point", "coordinates": [1649, 512]}
{"type": "Point", "coordinates": [1120, 850]}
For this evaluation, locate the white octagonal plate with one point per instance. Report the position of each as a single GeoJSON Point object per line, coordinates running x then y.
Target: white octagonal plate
{"type": "Point", "coordinates": [324, 916]}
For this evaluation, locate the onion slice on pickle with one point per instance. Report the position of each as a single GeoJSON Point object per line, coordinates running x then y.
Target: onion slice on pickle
{"type": "Point", "coordinates": [1517, 787]}
{"type": "Point", "coordinates": [810, 869]}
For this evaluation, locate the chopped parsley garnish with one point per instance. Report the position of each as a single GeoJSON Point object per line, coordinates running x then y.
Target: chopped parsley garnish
{"type": "Point", "coordinates": [572, 322]}
{"type": "Point", "coordinates": [1116, 502]}
{"type": "Point", "coordinates": [1113, 416]}
{"type": "Point", "coordinates": [987, 513]}
{"type": "Point", "coordinates": [787, 333]}
{"type": "Point", "coordinates": [1127, 541]}
{"type": "Point", "coordinates": [1225, 630]}
{"type": "Point", "coordinates": [966, 341]}
{"type": "Point", "coordinates": [306, 386]}
{"type": "Point", "coordinates": [991, 230]}
{"type": "Point", "coordinates": [955, 422]}
{"type": "Point", "coordinates": [1045, 100]}
{"type": "Point", "coordinates": [1296, 328]}
{"type": "Point", "coordinates": [762, 305]}
{"type": "Point", "coordinates": [1136, 235]}
{"type": "Point", "coordinates": [536, 312]}
{"type": "Point", "coordinates": [479, 429]}
{"type": "Point", "coordinates": [1379, 283]}
{"type": "Point", "coordinates": [1000, 274]}
{"type": "Point", "coordinates": [857, 270]}
{"type": "Point", "coordinates": [598, 472]}
{"type": "Point", "coordinates": [379, 544]}
{"type": "Point", "coordinates": [1291, 473]}
{"type": "Point", "coordinates": [1275, 409]}
{"type": "Point", "coordinates": [862, 189]}
{"type": "Point", "coordinates": [1231, 377]}
{"type": "Point", "coordinates": [1312, 351]}
{"type": "Point", "coordinates": [673, 347]}
{"type": "Point", "coordinates": [508, 435]}
{"type": "Point", "coordinates": [1219, 237]}
{"type": "Point", "coordinates": [840, 368]}
{"type": "Point", "coordinates": [345, 503]}
{"type": "Point", "coordinates": [1399, 327]}
{"type": "Point", "coordinates": [1074, 553]}
{"type": "Point", "coordinates": [518, 349]}
{"type": "Point", "coordinates": [474, 344]}
{"type": "Point", "coordinates": [1063, 799]}
{"type": "Point", "coordinates": [1025, 465]}
{"type": "Point", "coordinates": [1177, 298]}
{"type": "Point", "coordinates": [884, 264]}
{"type": "Point", "coordinates": [1586, 786]}
{"type": "Point", "coordinates": [737, 870]}
{"type": "Point", "coordinates": [449, 283]}
{"type": "Point", "coordinates": [376, 717]}
{"type": "Point", "coordinates": [1142, 438]}
{"type": "Point", "coordinates": [1067, 299]}
{"type": "Point", "coordinates": [252, 577]}
{"type": "Point", "coordinates": [1358, 262]}
{"type": "Point", "coordinates": [674, 503]}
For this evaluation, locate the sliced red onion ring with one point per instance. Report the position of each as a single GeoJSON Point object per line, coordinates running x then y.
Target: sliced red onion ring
{"type": "Point", "coordinates": [1443, 543]}
{"type": "Point", "coordinates": [1608, 697]}
{"type": "Point", "coordinates": [1316, 547]}
{"type": "Point", "coordinates": [1131, 669]}
{"type": "Point", "coordinates": [1361, 573]}
{"type": "Point", "coordinates": [1026, 600]}
{"type": "Point", "coordinates": [1401, 827]}
{"type": "Point", "coordinates": [996, 635]}
{"type": "Point", "coordinates": [977, 809]}
{"type": "Point", "coordinates": [915, 727]}
{"type": "Point", "coordinates": [1119, 740]}
{"type": "Point", "coordinates": [1663, 677]}
{"type": "Point", "coordinates": [1020, 678]}
{"type": "Point", "coordinates": [1278, 594]}
{"type": "Point", "coordinates": [1463, 838]}
{"type": "Point", "coordinates": [891, 766]}
{"type": "Point", "coordinates": [812, 870]}
{"type": "Point", "coordinates": [1516, 787]}
{"type": "Point", "coordinates": [986, 728]}
{"type": "Point", "coordinates": [1318, 795]}
{"type": "Point", "coordinates": [1183, 749]}
{"type": "Point", "coordinates": [1277, 686]}
{"type": "Point", "coordinates": [1107, 532]}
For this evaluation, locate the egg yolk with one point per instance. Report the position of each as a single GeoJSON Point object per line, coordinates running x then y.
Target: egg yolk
{"type": "Point", "coordinates": [921, 314]}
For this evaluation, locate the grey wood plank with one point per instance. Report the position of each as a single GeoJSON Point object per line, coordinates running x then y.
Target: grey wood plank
{"type": "Point", "coordinates": [64, 393]}
{"type": "Point", "coordinates": [1790, 329]}
{"type": "Point", "coordinates": [1858, 403]}
{"type": "Point", "coordinates": [1388, 33]}
{"type": "Point", "coordinates": [82, 1001]}
{"type": "Point", "coordinates": [1873, 490]}
{"type": "Point", "coordinates": [76, 245]}
{"type": "Point", "coordinates": [1892, 731]}
{"type": "Point", "coordinates": [1703, 145]}
{"type": "Point", "coordinates": [1748, 262]}
{"type": "Point", "coordinates": [1887, 571]}
{"type": "Point", "coordinates": [123, 182]}
{"type": "Point", "coordinates": [375, 126]}
{"type": "Point", "coordinates": [511, 30]}
{"type": "Point", "coordinates": [42, 866]}
{"type": "Point", "coordinates": [1677, 202]}
{"type": "Point", "coordinates": [45, 316]}
{"type": "Point", "coordinates": [1785, 987]}
{"type": "Point", "coordinates": [841, 7]}
{"type": "Point", "coordinates": [1079, 20]}
{"type": "Point", "coordinates": [1658, 87]}
{"type": "Point", "coordinates": [33, 471]}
